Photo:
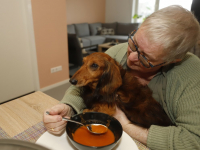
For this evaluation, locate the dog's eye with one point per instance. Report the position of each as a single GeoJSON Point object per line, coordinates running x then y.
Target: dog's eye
{"type": "Point", "coordinates": [94, 65]}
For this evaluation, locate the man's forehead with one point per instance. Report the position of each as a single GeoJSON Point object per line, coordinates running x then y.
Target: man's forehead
{"type": "Point", "coordinates": [150, 50]}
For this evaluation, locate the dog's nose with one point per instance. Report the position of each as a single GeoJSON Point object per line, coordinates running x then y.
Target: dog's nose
{"type": "Point", "coordinates": [73, 81]}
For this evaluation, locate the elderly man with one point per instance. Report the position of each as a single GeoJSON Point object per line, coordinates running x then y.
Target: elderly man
{"type": "Point", "coordinates": [157, 54]}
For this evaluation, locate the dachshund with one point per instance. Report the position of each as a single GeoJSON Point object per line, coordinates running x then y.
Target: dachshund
{"type": "Point", "coordinates": [104, 84]}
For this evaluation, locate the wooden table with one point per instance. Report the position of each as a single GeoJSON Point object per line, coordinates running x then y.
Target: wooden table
{"type": "Point", "coordinates": [19, 115]}
{"type": "Point", "coordinates": [22, 118]}
{"type": "Point", "coordinates": [104, 45]}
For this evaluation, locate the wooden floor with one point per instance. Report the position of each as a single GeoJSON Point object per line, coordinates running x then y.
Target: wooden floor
{"type": "Point", "coordinates": [22, 113]}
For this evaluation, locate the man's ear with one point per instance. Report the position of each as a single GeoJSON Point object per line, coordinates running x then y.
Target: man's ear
{"type": "Point", "coordinates": [177, 60]}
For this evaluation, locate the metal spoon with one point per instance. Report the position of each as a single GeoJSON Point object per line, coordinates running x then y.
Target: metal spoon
{"type": "Point", "coordinates": [90, 127]}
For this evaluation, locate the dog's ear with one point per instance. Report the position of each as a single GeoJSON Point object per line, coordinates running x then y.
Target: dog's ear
{"type": "Point", "coordinates": [111, 78]}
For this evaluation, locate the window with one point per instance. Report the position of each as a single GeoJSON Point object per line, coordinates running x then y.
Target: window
{"type": "Point", "coordinates": [143, 8]}
{"type": "Point", "coordinates": [185, 4]}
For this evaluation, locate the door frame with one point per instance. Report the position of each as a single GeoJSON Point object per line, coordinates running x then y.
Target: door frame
{"type": "Point", "coordinates": [29, 19]}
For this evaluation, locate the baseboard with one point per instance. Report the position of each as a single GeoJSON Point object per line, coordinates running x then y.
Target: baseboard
{"type": "Point", "coordinates": [54, 85]}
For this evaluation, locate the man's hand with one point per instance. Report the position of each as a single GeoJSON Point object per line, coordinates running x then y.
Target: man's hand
{"type": "Point", "coordinates": [53, 122]}
{"type": "Point", "coordinates": [121, 117]}
{"type": "Point", "coordinates": [132, 130]}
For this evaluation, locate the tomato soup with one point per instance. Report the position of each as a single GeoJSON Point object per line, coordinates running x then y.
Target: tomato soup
{"type": "Point", "coordinates": [98, 128]}
{"type": "Point", "coordinates": [83, 136]}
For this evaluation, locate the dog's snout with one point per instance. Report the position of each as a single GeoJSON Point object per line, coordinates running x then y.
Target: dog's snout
{"type": "Point", "coordinates": [73, 81]}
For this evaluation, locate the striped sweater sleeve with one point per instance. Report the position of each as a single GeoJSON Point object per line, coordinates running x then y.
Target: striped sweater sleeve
{"type": "Point", "coordinates": [72, 98]}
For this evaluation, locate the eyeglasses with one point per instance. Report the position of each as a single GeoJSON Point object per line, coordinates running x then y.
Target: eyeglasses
{"type": "Point", "coordinates": [145, 62]}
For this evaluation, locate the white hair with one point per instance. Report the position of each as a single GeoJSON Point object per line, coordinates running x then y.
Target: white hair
{"type": "Point", "coordinates": [173, 28]}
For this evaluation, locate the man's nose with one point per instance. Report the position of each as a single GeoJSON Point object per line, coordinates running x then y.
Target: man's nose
{"type": "Point", "coordinates": [133, 56]}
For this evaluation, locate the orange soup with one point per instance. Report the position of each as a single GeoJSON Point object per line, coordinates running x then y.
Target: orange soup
{"type": "Point", "coordinates": [98, 129]}
{"type": "Point", "coordinates": [83, 136]}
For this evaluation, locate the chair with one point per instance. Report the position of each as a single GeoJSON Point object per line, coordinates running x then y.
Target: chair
{"type": "Point", "coordinates": [75, 53]}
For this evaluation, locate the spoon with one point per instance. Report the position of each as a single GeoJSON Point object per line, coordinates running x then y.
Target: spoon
{"type": "Point", "coordinates": [93, 128]}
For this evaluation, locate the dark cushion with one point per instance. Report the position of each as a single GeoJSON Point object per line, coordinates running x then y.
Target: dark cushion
{"type": "Point", "coordinates": [94, 27]}
{"type": "Point", "coordinates": [110, 25]}
{"type": "Point", "coordinates": [74, 49]}
{"type": "Point", "coordinates": [82, 29]}
{"type": "Point", "coordinates": [71, 29]}
{"type": "Point", "coordinates": [126, 28]}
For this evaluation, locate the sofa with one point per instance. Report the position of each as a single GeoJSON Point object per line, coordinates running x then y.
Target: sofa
{"type": "Point", "coordinates": [93, 34]}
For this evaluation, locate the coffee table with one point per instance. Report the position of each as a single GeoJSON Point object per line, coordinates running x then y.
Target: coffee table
{"type": "Point", "coordinates": [105, 45]}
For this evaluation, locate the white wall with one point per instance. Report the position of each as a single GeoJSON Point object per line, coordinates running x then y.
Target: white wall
{"type": "Point", "coordinates": [118, 11]}
{"type": "Point", "coordinates": [16, 75]}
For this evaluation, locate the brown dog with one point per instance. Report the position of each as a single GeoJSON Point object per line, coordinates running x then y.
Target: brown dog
{"type": "Point", "coordinates": [105, 85]}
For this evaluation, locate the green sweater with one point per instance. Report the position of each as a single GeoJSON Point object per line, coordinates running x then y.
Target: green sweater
{"type": "Point", "coordinates": [177, 89]}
